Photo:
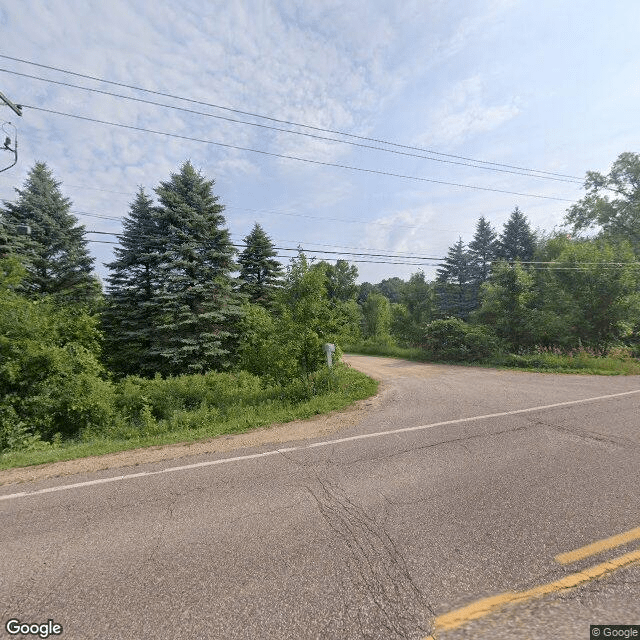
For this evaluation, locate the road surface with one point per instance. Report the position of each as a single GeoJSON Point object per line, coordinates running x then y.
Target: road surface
{"type": "Point", "coordinates": [461, 503]}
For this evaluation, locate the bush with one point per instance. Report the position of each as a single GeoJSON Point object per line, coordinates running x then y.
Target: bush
{"type": "Point", "coordinates": [51, 381]}
{"type": "Point", "coordinates": [455, 340]}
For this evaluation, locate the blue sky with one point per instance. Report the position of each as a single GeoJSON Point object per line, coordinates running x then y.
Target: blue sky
{"type": "Point", "coordinates": [552, 86]}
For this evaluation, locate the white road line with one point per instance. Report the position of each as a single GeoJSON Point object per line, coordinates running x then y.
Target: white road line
{"type": "Point", "coordinates": [324, 443]}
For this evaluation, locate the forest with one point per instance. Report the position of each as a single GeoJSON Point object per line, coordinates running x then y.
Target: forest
{"type": "Point", "coordinates": [191, 336]}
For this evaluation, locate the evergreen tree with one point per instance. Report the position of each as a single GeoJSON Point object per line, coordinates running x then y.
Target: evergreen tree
{"type": "Point", "coordinates": [454, 278]}
{"type": "Point", "coordinates": [197, 308]}
{"type": "Point", "coordinates": [260, 273]}
{"type": "Point", "coordinates": [517, 241]}
{"type": "Point", "coordinates": [55, 252]}
{"type": "Point", "coordinates": [134, 283]}
{"type": "Point", "coordinates": [483, 250]}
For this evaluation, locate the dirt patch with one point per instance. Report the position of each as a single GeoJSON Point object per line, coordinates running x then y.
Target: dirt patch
{"type": "Point", "coordinates": [274, 434]}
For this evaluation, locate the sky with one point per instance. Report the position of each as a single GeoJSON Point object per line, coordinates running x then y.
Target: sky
{"type": "Point", "coordinates": [448, 96]}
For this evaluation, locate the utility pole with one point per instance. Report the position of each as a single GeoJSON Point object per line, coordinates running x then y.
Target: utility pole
{"type": "Point", "coordinates": [17, 109]}
{"type": "Point", "coordinates": [14, 107]}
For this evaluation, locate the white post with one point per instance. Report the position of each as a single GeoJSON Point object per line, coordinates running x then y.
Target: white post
{"type": "Point", "coordinates": [329, 350]}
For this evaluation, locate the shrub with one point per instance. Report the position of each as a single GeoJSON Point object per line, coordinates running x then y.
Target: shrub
{"type": "Point", "coordinates": [455, 340]}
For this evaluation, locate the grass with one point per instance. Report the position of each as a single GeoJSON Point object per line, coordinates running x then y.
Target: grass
{"type": "Point", "coordinates": [547, 360]}
{"type": "Point", "coordinates": [164, 415]}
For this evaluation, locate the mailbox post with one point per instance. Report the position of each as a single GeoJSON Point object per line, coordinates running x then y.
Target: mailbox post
{"type": "Point", "coordinates": [329, 350]}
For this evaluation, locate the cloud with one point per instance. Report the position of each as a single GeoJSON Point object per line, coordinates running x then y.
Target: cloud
{"type": "Point", "coordinates": [464, 112]}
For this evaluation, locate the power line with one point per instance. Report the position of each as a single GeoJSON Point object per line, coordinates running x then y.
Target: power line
{"type": "Point", "coordinates": [282, 121]}
{"type": "Point", "coordinates": [297, 158]}
{"type": "Point", "coordinates": [298, 133]}
{"type": "Point", "coordinates": [551, 263]}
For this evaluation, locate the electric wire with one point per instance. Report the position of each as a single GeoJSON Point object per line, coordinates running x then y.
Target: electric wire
{"type": "Point", "coordinates": [299, 133]}
{"type": "Point", "coordinates": [279, 120]}
{"type": "Point", "coordinates": [296, 158]}
{"type": "Point", "coordinates": [422, 259]}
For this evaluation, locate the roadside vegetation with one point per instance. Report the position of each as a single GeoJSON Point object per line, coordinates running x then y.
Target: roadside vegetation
{"type": "Point", "coordinates": [191, 339]}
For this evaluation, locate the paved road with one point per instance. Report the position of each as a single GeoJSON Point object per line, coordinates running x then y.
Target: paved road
{"type": "Point", "coordinates": [449, 509]}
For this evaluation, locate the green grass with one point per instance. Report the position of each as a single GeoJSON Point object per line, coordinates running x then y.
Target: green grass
{"type": "Point", "coordinates": [161, 412]}
{"type": "Point", "coordinates": [578, 361]}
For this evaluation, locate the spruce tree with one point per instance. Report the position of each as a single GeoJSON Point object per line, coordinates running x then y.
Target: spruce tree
{"type": "Point", "coordinates": [454, 277]}
{"type": "Point", "coordinates": [517, 241]}
{"type": "Point", "coordinates": [260, 273]}
{"type": "Point", "coordinates": [133, 284]}
{"type": "Point", "coordinates": [196, 306]}
{"type": "Point", "coordinates": [483, 250]}
{"type": "Point", "coordinates": [55, 252]}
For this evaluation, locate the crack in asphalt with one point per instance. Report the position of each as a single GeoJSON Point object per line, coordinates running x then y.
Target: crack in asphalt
{"type": "Point", "coordinates": [395, 605]}
{"type": "Point", "coordinates": [585, 434]}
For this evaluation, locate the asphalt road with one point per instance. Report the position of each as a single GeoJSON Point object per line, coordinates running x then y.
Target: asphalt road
{"type": "Point", "coordinates": [449, 509]}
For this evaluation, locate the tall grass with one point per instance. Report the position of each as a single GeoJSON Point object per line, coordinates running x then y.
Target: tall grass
{"type": "Point", "coordinates": [586, 360]}
{"type": "Point", "coordinates": [196, 407]}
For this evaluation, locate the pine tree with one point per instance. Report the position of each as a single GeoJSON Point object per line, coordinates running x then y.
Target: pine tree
{"type": "Point", "coordinates": [260, 273]}
{"type": "Point", "coordinates": [134, 283]}
{"type": "Point", "coordinates": [55, 252]}
{"type": "Point", "coordinates": [454, 278]}
{"type": "Point", "coordinates": [197, 308]}
{"type": "Point", "coordinates": [517, 241]}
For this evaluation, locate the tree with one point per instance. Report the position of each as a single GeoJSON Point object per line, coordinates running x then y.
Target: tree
{"type": "Point", "coordinates": [616, 212]}
{"type": "Point", "coordinates": [376, 313]}
{"type": "Point", "coordinates": [506, 304]}
{"type": "Point", "coordinates": [260, 273]}
{"type": "Point", "coordinates": [418, 307]}
{"type": "Point", "coordinates": [128, 319]}
{"type": "Point", "coordinates": [517, 241]}
{"type": "Point", "coordinates": [364, 290]}
{"type": "Point", "coordinates": [288, 343]}
{"type": "Point", "coordinates": [483, 250]}
{"type": "Point", "coordinates": [599, 288]}
{"type": "Point", "coordinates": [454, 282]}
{"type": "Point", "coordinates": [55, 252]}
{"type": "Point", "coordinates": [391, 288]}
{"type": "Point", "coordinates": [341, 280]}
{"type": "Point", "coordinates": [51, 380]}
{"type": "Point", "coordinates": [196, 308]}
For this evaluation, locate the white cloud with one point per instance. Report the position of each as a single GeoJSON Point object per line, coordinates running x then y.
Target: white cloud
{"type": "Point", "coordinates": [464, 112]}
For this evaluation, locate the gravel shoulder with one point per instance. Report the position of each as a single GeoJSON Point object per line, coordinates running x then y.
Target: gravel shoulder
{"type": "Point", "coordinates": [278, 433]}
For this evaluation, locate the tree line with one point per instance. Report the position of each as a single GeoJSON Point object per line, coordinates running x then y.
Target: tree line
{"type": "Point", "coordinates": [181, 300]}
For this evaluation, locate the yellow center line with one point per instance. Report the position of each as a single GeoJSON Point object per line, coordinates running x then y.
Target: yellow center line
{"type": "Point", "coordinates": [484, 607]}
{"type": "Point", "coordinates": [598, 547]}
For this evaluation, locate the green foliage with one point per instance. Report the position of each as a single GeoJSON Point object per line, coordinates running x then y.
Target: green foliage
{"type": "Point", "coordinates": [517, 241]}
{"type": "Point", "coordinates": [600, 292]}
{"type": "Point", "coordinates": [51, 381]}
{"type": "Point", "coordinates": [133, 283]}
{"type": "Point", "coordinates": [260, 273]}
{"type": "Point", "coordinates": [341, 280]}
{"type": "Point", "coordinates": [506, 304]}
{"type": "Point", "coordinates": [419, 298]}
{"type": "Point", "coordinates": [288, 344]}
{"type": "Point", "coordinates": [454, 340]}
{"type": "Point", "coordinates": [376, 313]}
{"type": "Point", "coordinates": [483, 251]}
{"type": "Point", "coordinates": [455, 291]}
{"type": "Point", "coordinates": [55, 252]}
{"type": "Point", "coordinates": [612, 202]}
{"type": "Point", "coordinates": [187, 408]}
{"type": "Point", "coordinates": [171, 296]}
